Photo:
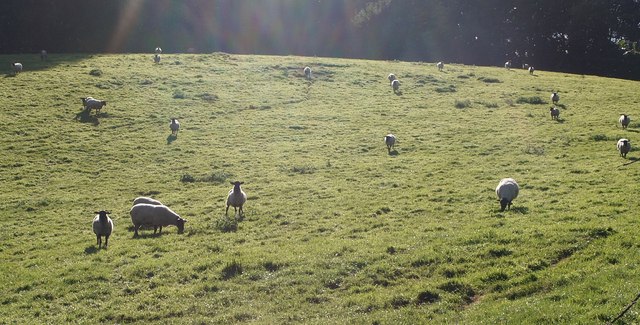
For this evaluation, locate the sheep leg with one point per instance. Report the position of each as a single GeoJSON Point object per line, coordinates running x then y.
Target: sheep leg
{"type": "Point", "coordinates": [226, 212]}
{"type": "Point", "coordinates": [241, 211]}
{"type": "Point", "coordinates": [160, 232]}
{"type": "Point", "coordinates": [155, 228]}
{"type": "Point", "coordinates": [135, 228]}
{"type": "Point", "coordinates": [99, 242]}
{"type": "Point", "coordinates": [106, 241]}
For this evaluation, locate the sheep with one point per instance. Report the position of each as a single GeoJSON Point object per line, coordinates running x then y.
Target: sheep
{"type": "Point", "coordinates": [624, 120]}
{"type": "Point", "coordinates": [555, 113]}
{"type": "Point", "coordinates": [555, 98]}
{"type": "Point", "coordinates": [507, 190]}
{"type": "Point", "coordinates": [440, 66]}
{"type": "Point", "coordinates": [156, 58]}
{"type": "Point", "coordinates": [307, 72]}
{"type": "Point", "coordinates": [390, 141]}
{"type": "Point", "coordinates": [84, 101]}
{"type": "Point", "coordinates": [531, 69]}
{"type": "Point", "coordinates": [92, 103]}
{"type": "Point", "coordinates": [391, 77]}
{"type": "Point", "coordinates": [145, 214]}
{"type": "Point", "coordinates": [507, 65]}
{"type": "Point", "coordinates": [158, 50]}
{"type": "Point", "coordinates": [395, 84]}
{"type": "Point", "coordinates": [17, 67]}
{"type": "Point", "coordinates": [624, 146]}
{"type": "Point", "coordinates": [174, 126]}
{"type": "Point", "coordinates": [43, 55]}
{"type": "Point", "coordinates": [525, 66]}
{"type": "Point", "coordinates": [102, 226]}
{"type": "Point", "coordinates": [147, 200]}
{"type": "Point", "coordinates": [236, 198]}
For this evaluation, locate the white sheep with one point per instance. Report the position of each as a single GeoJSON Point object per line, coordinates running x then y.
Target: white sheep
{"type": "Point", "coordinates": [624, 146]}
{"type": "Point", "coordinates": [174, 126]}
{"type": "Point", "coordinates": [307, 72]}
{"type": "Point", "coordinates": [144, 214]}
{"type": "Point", "coordinates": [525, 66]}
{"type": "Point", "coordinates": [147, 200]}
{"type": "Point", "coordinates": [236, 198]}
{"type": "Point", "coordinates": [507, 190]}
{"type": "Point", "coordinates": [531, 69]}
{"type": "Point", "coordinates": [507, 65]}
{"type": "Point", "coordinates": [391, 77]}
{"type": "Point", "coordinates": [43, 55]}
{"type": "Point", "coordinates": [102, 226]}
{"type": "Point", "coordinates": [92, 103]}
{"type": "Point", "coordinates": [555, 98]}
{"type": "Point", "coordinates": [156, 58]}
{"type": "Point", "coordinates": [395, 84]}
{"type": "Point", "coordinates": [440, 66]}
{"type": "Point", "coordinates": [158, 50]}
{"type": "Point", "coordinates": [17, 67]}
{"type": "Point", "coordinates": [555, 113]}
{"type": "Point", "coordinates": [624, 120]}
{"type": "Point", "coordinates": [84, 101]}
{"type": "Point", "coordinates": [390, 141]}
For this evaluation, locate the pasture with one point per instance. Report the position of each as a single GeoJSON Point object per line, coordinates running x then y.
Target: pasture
{"type": "Point", "coordinates": [336, 229]}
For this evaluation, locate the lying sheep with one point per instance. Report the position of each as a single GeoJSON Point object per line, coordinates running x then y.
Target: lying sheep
{"type": "Point", "coordinates": [158, 50]}
{"type": "Point", "coordinates": [43, 55]}
{"type": "Point", "coordinates": [395, 84]}
{"type": "Point", "coordinates": [531, 70]}
{"type": "Point", "coordinates": [307, 72]}
{"type": "Point", "coordinates": [624, 120]}
{"type": "Point", "coordinates": [440, 66]}
{"type": "Point", "coordinates": [92, 103]}
{"type": "Point", "coordinates": [555, 98]}
{"type": "Point", "coordinates": [156, 58]}
{"type": "Point", "coordinates": [174, 126]}
{"type": "Point", "coordinates": [391, 77]}
{"type": "Point", "coordinates": [555, 113]}
{"type": "Point", "coordinates": [147, 200]}
{"type": "Point", "coordinates": [144, 214]}
{"type": "Point", "coordinates": [17, 67]}
{"type": "Point", "coordinates": [507, 190]}
{"type": "Point", "coordinates": [236, 198]}
{"type": "Point", "coordinates": [624, 146]}
{"type": "Point", "coordinates": [507, 65]}
{"type": "Point", "coordinates": [102, 226]}
{"type": "Point", "coordinates": [390, 141]}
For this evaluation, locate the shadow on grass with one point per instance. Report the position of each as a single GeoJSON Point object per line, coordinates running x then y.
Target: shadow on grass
{"type": "Point", "coordinates": [633, 160]}
{"type": "Point", "coordinates": [86, 117]}
{"type": "Point", "coordinates": [634, 131]}
{"type": "Point", "coordinates": [91, 249]}
{"type": "Point", "coordinates": [398, 93]}
{"type": "Point", "coordinates": [171, 138]}
{"type": "Point", "coordinates": [393, 153]}
{"type": "Point", "coordinates": [563, 106]}
{"type": "Point", "coordinates": [560, 120]}
{"type": "Point", "coordinates": [520, 210]}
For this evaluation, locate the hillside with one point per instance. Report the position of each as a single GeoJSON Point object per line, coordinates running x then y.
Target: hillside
{"type": "Point", "coordinates": [336, 230]}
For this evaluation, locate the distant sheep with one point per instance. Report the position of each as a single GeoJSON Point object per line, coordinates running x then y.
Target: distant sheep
{"type": "Point", "coordinates": [507, 65]}
{"type": "Point", "coordinates": [92, 103]}
{"type": "Point", "coordinates": [144, 214]}
{"type": "Point", "coordinates": [555, 113]}
{"type": "Point", "coordinates": [17, 67]}
{"type": "Point", "coordinates": [147, 200]}
{"type": "Point", "coordinates": [84, 101]}
{"type": "Point", "coordinates": [555, 98]}
{"type": "Point", "coordinates": [43, 55]}
{"type": "Point", "coordinates": [236, 198]}
{"type": "Point", "coordinates": [390, 141]}
{"type": "Point", "coordinates": [174, 126]}
{"type": "Point", "coordinates": [624, 146]}
{"type": "Point", "coordinates": [307, 72]}
{"type": "Point", "coordinates": [156, 58]}
{"type": "Point", "coordinates": [624, 120]}
{"type": "Point", "coordinates": [158, 50]}
{"type": "Point", "coordinates": [531, 70]}
{"type": "Point", "coordinates": [440, 66]}
{"type": "Point", "coordinates": [525, 66]}
{"type": "Point", "coordinates": [102, 227]}
{"type": "Point", "coordinates": [507, 190]}
{"type": "Point", "coordinates": [391, 77]}
{"type": "Point", "coordinates": [395, 84]}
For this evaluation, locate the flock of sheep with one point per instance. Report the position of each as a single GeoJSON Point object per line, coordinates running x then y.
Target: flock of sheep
{"type": "Point", "coordinates": [152, 213]}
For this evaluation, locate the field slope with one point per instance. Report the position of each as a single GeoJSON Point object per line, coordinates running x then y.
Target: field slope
{"type": "Point", "coordinates": [336, 230]}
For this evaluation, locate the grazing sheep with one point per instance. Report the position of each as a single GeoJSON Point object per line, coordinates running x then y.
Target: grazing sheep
{"type": "Point", "coordinates": [147, 200]}
{"type": "Point", "coordinates": [391, 77]}
{"type": "Point", "coordinates": [92, 103]}
{"type": "Point", "coordinates": [555, 98]}
{"type": "Point", "coordinates": [624, 120]}
{"type": "Point", "coordinates": [507, 190]}
{"type": "Point", "coordinates": [507, 65]}
{"type": "Point", "coordinates": [102, 226]}
{"type": "Point", "coordinates": [395, 84]}
{"type": "Point", "coordinates": [555, 113]}
{"type": "Point", "coordinates": [531, 70]}
{"type": "Point", "coordinates": [144, 214]}
{"type": "Point", "coordinates": [158, 50]}
{"type": "Point", "coordinates": [156, 58]}
{"type": "Point", "coordinates": [440, 66]}
{"type": "Point", "coordinates": [390, 141]}
{"type": "Point", "coordinates": [43, 55]}
{"type": "Point", "coordinates": [174, 126]}
{"type": "Point", "coordinates": [307, 72]}
{"type": "Point", "coordinates": [624, 146]}
{"type": "Point", "coordinates": [236, 198]}
{"type": "Point", "coordinates": [17, 67]}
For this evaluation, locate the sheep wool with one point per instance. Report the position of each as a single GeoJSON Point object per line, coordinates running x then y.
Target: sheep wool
{"type": "Point", "coordinates": [531, 70]}
{"type": "Point", "coordinates": [102, 227]}
{"type": "Point", "coordinates": [390, 141]}
{"type": "Point", "coordinates": [507, 65]}
{"type": "Point", "coordinates": [391, 77]}
{"type": "Point", "coordinates": [17, 67]}
{"type": "Point", "coordinates": [147, 200]}
{"type": "Point", "coordinates": [236, 198]}
{"type": "Point", "coordinates": [307, 72]}
{"type": "Point", "coordinates": [144, 214]}
{"type": "Point", "coordinates": [395, 84]}
{"type": "Point", "coordinates": [92, 103]}
{"type": "Point", "coordinates": [624, 120]}
{"type": "Point", "coordinates": [624, 146]}
{"type": "Point", "coordinates": [507, 190]}
{"type": "Point", "coordinates": [174, 126]}
{"type": "Point", "coordinates": [440, 66]}
{"type": "Point", "coordinates": [555, 113]}
{"type": "Point", "coordinates": [156, 58]}
{"type": "Point", "coordinates": [555, 98]}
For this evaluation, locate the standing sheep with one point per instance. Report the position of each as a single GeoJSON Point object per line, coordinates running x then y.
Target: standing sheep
{"type": "Point", "coordinates": [92, 103]}
{"type": "Point", "coordinates": [624, 146]}
{"type": "Point", "coordinates": [440, 66]}
{"type": "Point", "coordinates": [555, 98]}
{"type": "Point", "coordinates": [158, 50]}
{"type": "Point", "coordinates": [84, 101]}
{"type": "Point", "coordinates": [43, 55]}
{"type": "Point", "coordinates": [555, 113]}
{"type": "Point", "coordinates": [144, 214]}
{"type": "Point", "coordinates": [156, 58]}
{"type": "Point", "coordinates": [395, 84]}
{"type": "Point", "coordinates": [390, 141]}
{"type": "Point", "coordinates": [624, 120]}
{"type": "Point", "coordinates": [102, 226]}
{"type": "Point", "coordinates": [174, 126]}
{"type": "Point", "coordinates": [531, 70]}
{"type": "Point", "coordinates": [507, 190]}
{"type": "Point", "coordinates": [391, 77]}
{"type": "Point", "coordinates": [17, 67]}
{"type": "Point", "coordinates": [147, 200]}
{"type": "Point", "coordinates": [507, 65]}
{"type": "Point", "coordinates": [525, 66]}
{"type": "Point", "coordinates": [236, 198]}
{"type": "Point", "coordinates": [307, 72]}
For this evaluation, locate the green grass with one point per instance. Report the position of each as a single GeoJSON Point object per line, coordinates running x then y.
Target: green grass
{"type": "Point", "coordinates": [336, 230]}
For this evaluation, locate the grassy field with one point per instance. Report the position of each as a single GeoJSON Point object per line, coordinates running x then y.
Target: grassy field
{"type": "Point", "coordinates": [336, 230]}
